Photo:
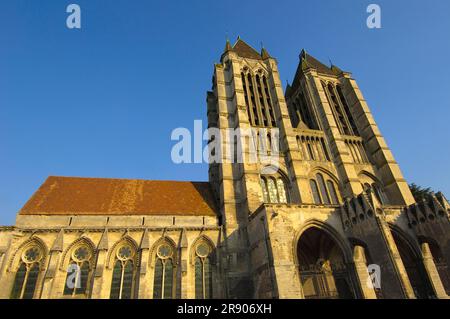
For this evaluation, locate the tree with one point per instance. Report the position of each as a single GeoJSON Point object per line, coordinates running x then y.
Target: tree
{"type": "Point", "coordinates": [420, 193]}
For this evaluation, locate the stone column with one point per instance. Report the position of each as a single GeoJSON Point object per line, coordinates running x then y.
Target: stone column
{"type": "Point", "coordinates": [432, 272]}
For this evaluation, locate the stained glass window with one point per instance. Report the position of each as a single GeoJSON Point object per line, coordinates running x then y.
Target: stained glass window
{"type": "Point", "coordinates": [163, 284]}
{"type": "Point", "coordinates": [274, 189]}
{"type": "Point", "coordinates": [281, 191]}
{"type": "Point", "coordinates": [157, 282]}
{"type": "Point", "coordinates": [273, 196]}
{"type": "Point", "coordinates": [116, 281]}
{"type": "Point", "coordinates": [79, 272]}
{"type": "Point", "coordinates": [168, 279]}
{"type": "Point", "coordinates": [315, 192]}
{"type": "Point", "coordinates": [203, 272]}
{"type": "Point", "coordinates": [27, 274]}
{"type": "Point", "coordinates": [264, 190]}
{"type": "Point", "coordinates": [332, 190]}
{"type": "Point", "coordinates": [323, 189]}
{"type": "Point", "coordinates": [123, 273]}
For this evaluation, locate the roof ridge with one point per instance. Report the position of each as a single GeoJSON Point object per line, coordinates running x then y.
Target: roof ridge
{"type": "Point", "coordinates": [123, 179]}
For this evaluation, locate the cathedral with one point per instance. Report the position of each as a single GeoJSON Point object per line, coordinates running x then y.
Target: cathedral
{"type": "Point", "coordinates": [332, 219]}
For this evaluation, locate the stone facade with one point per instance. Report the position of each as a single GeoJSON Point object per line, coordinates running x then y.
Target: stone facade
{"type": "Point", "coordinates": [335, 205]}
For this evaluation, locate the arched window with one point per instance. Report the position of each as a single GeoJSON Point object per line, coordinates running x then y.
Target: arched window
{"type": "Point", "coordinates": [339, 115]}
{"type": "Point", "coordinates": [376, 190]}
{"type": "Point", "coordinates": [163, 286]}
{"type": "Point", "coordinates": [324, 193]}
{"type": "Point", "coordinates": [273, 197]}
{"type": "Point", "coordinates": [323, 189]}
{"type": "Point", "coordinates": [27, 275]}
{"type": "Point", "coordinates": [281, 188]}
{"type": "Point", "coordinates": [79, 271]}
{"type": "Point", "coordinates": [257, 99]}
{"type": "Point", "coordinates": [264, 190]}
{"type": "Point", "coordinates": [333, 194]}
{"type": "Point", "coordinates": [274, 189]}
{"type": "Point", "coordinates": [203, 271]}
{"type": "Point", "coordinates": [269, 101]}
{"type": "Point", "coordinates": [379, 194]}
{"type": "Point", "coordinates": [124, 271]}
{"type": "Point", "coordinates": [347, 110]}
{"type": "Point", "coordinates": [315, 192]}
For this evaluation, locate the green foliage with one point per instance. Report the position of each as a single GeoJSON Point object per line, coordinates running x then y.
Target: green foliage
{"type": "Point", "coordinates": [420, 193]}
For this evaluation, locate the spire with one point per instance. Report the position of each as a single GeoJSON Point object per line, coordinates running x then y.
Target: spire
{"type": "Point", "coordinates": [264, 53]}
{"type": "Point", "coordinates": [302, 54]}
{"type": "Point", "coordinates": [227, 46]}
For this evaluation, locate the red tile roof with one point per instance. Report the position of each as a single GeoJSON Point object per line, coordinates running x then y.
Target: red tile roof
{"type": "Point", "coordinates": [104, 196]}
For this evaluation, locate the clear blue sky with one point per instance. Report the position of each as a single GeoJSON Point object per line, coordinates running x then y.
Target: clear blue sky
{"type": "Point", "coordinates": [102, 101]}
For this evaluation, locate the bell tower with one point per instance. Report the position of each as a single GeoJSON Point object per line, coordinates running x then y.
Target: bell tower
{"type": "Point", "coordinates": [247, 98]}
{"type": "Point", "coordinates": [328, 99]}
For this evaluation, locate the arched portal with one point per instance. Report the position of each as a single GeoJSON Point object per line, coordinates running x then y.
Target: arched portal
{"type": "Point", "coordinates": [414, 267]}
{"type": "Point", "coordinates": [323, 271]}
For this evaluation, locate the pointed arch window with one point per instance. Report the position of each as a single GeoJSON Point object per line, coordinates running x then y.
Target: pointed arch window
{"type": "Point", "coordinates": [258, 99]}
{"type": "Point", "coordinates": [163, 286]}
{"type": "Point", "coordinates": [79, 272]}
{"type": "Point", "coordinates": [377, 191]}
{"type": "Point", "coordinates": [124, 272]}
{"type": "Point", "coordinates": [274, 189]}
{"type": "Point", "coordinates": [340, 115]}
{"type": "Point", "coordinates": [324, 193]}
{"type": "Point", "coordinates": [264, 190]}
{"type": "Point", "coordinates": [27, 274]}
{"type": "Point", "coordinates": [333, 194]}
{"type": "Point", "coordinates": [315, 192]}
{"type": "Point", "coordinates": [323, 189]}
{"type": "Point", "coordinates": [347, 110]}
{"type": "Point", "coordinates": [203, 271]}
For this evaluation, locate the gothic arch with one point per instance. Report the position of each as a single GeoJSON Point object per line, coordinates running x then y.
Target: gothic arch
{"type": "Point", "coordinates": [320, 169]}
{"type": "Point", "coordinates": [167, 240]}
{"type": "Point", "coordinates": [412, 244]}
{"type": "Point", "coordinates": [370, 176]}
{"type": "Point", "coordinates": [82, 240]}
{"type": "Point", "coordinates": [33, 240]}
{"type": "Point", "coordinates": [335, 190]}
{"type": "Point", "coordinates": [324, 263]}
{"type": "Point", "coordinates": [124, 239]}
{"type": "Point", "coordinates": [413, 262]}
{"type": "Point", "coordinates": [198, 240]}
{"type": "Point", "coordinates": [333, 233]}
{"type": "Point", "coordinates": [281, 185]}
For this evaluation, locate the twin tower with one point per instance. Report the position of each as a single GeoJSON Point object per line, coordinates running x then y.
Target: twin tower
{"type": "Point", "coordinates": [336, 218]}
{"type": "Point", "coordinates": [328, 215]}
